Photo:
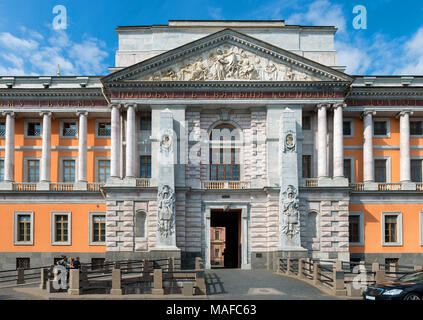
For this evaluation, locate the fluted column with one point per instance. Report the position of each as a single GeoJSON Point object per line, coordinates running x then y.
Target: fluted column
{"type": "Point", "coordinates": [322, 132]}
{"type": "Point", "coordinates": [115, 141]}
{"type": "Point", "coordinates": [46, 146]}
{"type": "Point", "coordinates": [405, 171]}
{"type": "Point", "coordinates": [338, 140]}
{"type": "Point", "coordinates": [130, 141]}
{"type": "Point", "coordinates": [368, 166]}
{"type": "Point", "coordinates": [82, 146]}
{"type": "Point", "coordinates": [9, 155]}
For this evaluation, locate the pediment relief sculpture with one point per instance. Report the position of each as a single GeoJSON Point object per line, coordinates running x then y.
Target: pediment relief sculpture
{"type": "Point", "coordinates": [228, 62]}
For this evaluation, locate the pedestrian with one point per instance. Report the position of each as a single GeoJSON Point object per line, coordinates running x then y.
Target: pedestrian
{"type": "Point", "coordinates": [62, 262]}
{"type": "Point", "coordinates": [68, 267]}
{"type": "Point", "coordinates": [76, 263]}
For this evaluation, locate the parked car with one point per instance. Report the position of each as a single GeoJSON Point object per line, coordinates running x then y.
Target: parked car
{"type": "Point", "coordinates": [407, 287]}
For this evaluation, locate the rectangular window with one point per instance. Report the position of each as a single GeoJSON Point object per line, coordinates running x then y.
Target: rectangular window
{"type": "Point", "coordinates": [389, 261]}
{"type": "Point", "coordinates": [33, 129]}
{"type": "Point", "coordinates": [2, 129]}
{"type": "Point", "coordinates": [391, 228]}
{"type": "Point", "coordinates": [216, 235]}
{"type": "Point", "coordinates": [216, 253]}
{"type": "Point", "coordinates": [306, 166]}
{"type": "Point", "coordinates": [354, 228]}
{"type": "Point", "coordinates": [33, 167]}
{"type": "Point", "coordinates": [145, 123]}
{"type": "Point", "coordinates": [103, 170]}
{"type": "Point", "coordinates": [347, 169]}
{"type": "Point", "coordinates": [145, 166]}
{"type": "Point", "coordinates": [69, 171]}
{"type": "Point", "coordinates": [347, 128]}
{"type": "Point", "coordinates": [99, 228]}
{"type": "Point", "coordinates": [380, 170]}
{"type": "Point", "coordinates": [69, 129]}
{"type": "Point", "coordinates": [1, 170]}
{"type": "Point", "coordinates": [104, 129]}
{"type": "Point", "coordinates": [23, 263]}
{"type": "Point", "coordinates": [416, 170]}
{"type": "Point", "coordinates": [306, 123]}
{"type": "Point", "coordinates": [380, 128]}
{"type": "Point", "coordinates": [416, 128]}
{"type": "Point", "coordinates": [61, 228]}
{"type": "Point", "coordinates": [24, 227]}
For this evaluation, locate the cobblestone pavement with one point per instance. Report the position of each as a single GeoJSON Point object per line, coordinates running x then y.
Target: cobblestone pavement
{"type": "Point", "coordinates": [258, 285]}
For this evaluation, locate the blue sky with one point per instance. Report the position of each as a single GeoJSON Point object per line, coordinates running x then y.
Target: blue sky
{"type": "Point", "coordinates": [391, 44]}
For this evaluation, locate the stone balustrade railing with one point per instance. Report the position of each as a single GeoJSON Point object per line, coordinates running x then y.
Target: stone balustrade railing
{"type": "Point", "coordinates": [389, 186]}
{"type": "Point", "coordinates": [143, 182]}
{"type": "Point", "coordinates": [95, 186]}
{"type": "Point", "coordinates": [232, 185]}
{"type": "Point", "coordinates": [59, 186]}
{"type": "Point", "coordinates": [24, 186]}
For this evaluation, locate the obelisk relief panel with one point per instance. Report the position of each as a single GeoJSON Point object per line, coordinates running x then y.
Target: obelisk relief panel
{"type": "Point", "coordinates": [289, 213]}
{"type": "Point", "coordinates": [166, 226]}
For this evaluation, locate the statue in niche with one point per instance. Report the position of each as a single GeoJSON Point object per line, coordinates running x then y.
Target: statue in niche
{"type": "Point", "coordinates": [290, 212]}
{"type": "Point", "coordinates": [166, 208]}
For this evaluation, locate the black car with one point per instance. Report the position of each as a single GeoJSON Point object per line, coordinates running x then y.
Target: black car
{"type": "Point", "coordinates": [407, 287]}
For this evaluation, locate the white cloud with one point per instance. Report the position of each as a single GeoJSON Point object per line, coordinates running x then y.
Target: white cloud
{"type": "Point", "coordinates": [33, 54]}
{"type": "Point", "coordinates": [412, 63]}
{"type": "Point", "coordinates": [215, 13]}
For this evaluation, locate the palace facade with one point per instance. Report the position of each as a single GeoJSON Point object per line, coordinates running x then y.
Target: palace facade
{"type": "Point", "coordinates": [250, 127]}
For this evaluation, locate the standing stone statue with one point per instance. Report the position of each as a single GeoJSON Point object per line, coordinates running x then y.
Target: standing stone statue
{"type": "Point", "coordinates": [166, 211]}
{"type": "Point", "coordinates": [290, 218]}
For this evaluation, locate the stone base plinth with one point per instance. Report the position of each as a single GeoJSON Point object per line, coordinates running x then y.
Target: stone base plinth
{"type": "Point", "coordinates": [117, 292]}
{"type": "Point", "coordinates": [74, 292]}
{"type": "Point", "coordinates": [158, 292]}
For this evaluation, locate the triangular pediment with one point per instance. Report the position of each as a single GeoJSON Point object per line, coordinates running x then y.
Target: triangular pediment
{"type": "Point", "coordinates": [228, 56]}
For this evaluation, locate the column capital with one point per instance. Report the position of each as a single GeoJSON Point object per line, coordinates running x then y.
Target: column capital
{"type": "Point", "coordinates": [339, 105]}
{"type": "Point", "coordinates": [46, 112]}
{"type": "Point", "coordinates": [367, 112]}
{"type": "Point", "coordinates": [128, 105]}
{"type": "Point", "coordinates": [404, 112]}
{"type": "Point", "coordinates": [9, 112]}
{"type": "Point", "coordinates": [323, 105]}
{"type": "Point", "coordinates": [82, 112]}
{"type": "Point", "coordinates": [115, 105]}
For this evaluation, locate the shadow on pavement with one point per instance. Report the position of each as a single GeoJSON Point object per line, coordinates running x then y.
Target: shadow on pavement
{"type": "Point", "coordinates": [214, 284]}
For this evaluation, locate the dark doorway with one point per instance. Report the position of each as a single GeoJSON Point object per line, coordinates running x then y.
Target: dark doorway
{"type": "Point", "coordinates": [231, 221]}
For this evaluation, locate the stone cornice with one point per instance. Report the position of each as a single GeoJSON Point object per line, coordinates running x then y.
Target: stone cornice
{"type": "Point", "coordinates": [386, 92]}
{"type": "Point", "coordinates": [51, 93]}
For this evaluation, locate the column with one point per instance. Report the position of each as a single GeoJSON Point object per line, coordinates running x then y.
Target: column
{"type": "Point", "coordinates": [115, 143]}
{"type": "Point", "coordinates": [130, 141]}
{"type": "Point", "coordinates": [322, 132]}
{"type": "Point", "coordinates": [338, 141]}
{"type": "Point", "coordinates": [46, 144]}
{"type": "Point", "coordinates": [244, 234]}
{"type": "Point", "coordinates": [368, 174]}
{"type": "Point", "coordinates": [82, 146]}
{"type": "Point", "coordinates": [405, 171]}
{"type": "Point", "coordinates": [9, 156]}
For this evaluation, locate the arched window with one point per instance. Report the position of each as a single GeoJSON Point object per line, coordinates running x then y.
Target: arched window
{"type": "Point", "coordinates": [312, 231]}
{"type": "Point", "coordinates": [224, 153]}
{"type": "Point", "coordinates": [140, 221]}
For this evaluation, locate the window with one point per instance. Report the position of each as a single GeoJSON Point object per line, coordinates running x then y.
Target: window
{"type": "Point", "coordinates": [347, 169]}
{"type": "Point", "coordinates": [416, 170]}
{"type": "Point", "coordinates": [33, 170]}
{"type": "Point", "coordinates": [224, 153]}
{"type": "Point", "coordinates": [23, 263]}
{"type": "Point", "coordinates": [97, 263]}
{"type": "Point", "coordinates": [103, 170]}
{"type": "Point", "coordinates": [306, 123]}
{"type": "Point", "coordinates": [23, 228]}
{"type": "Point", "coordinates": [145, 166]}
{"type": "Point", "coordinates": [61, 228]}
{"type": "Point", "coordinates": [312, 225]}
{"type": "Point", "coordinates": [33, 129]}
{"type": "Point", "coordinates": [99, 228]}
{"type": "Point", "coordinates": [2, 129]}
{"type": "Point", "coordinates": [69, 171]}
{"type": "Point", "coordinates": [380, 128]}
{"type": "Point", "coordinates": [416, 128]}
{"type": "Point", "coordinates": [69, 129]}
{"type": "Point", "coordinates": [140, 223]}
{"type": "Point", "coordinates": [347, 130]}
{"type": "Point", "coordinates": [1, 170]}
{"type": "Point", "coordinates": [216, 235]}
{"type": "Point", "coordinates": [104, 129]}
{"type": "Point", "coordinates": [216, 253]}
{"type": "Point", "coordinates": [145, 123]}
{"type": "Point", "coordinates": [392, 228]}
{"type": "Point", "coordinates": [380, 170]}
{"type": "Point", "coordinates": [306, 166]}
{"type": "Point", "coordinates": [388, 261]}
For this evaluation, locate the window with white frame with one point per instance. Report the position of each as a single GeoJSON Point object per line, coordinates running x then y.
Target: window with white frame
{"type": "Point", "coordinates": [392, 228]}
{"type": "Point", "coordinates": [416, 127]}
{"type": "Point", "coordinates": [32, 170]}
{"type": "Point", "coordinates": [416, 170]}
{"type": "Point", "coordinates": [68, 170]}
{"type": "Point", "coordinates": [1, 169]}
{"type": "Point", "coordinates": [103, 128]}
{"type": "Point", "coordinates": [23, 228]}
{"type": "Point", "coordinates": [348, 128]}
{"type": "Point", "coordinates": [103, 170]}
{"type": "Point", "coordinates": [97, 228]}
{"type": "Point", "coordinates": [421, 228]}
{"type": "Point", "coordinates": [33, 128]}
{"type": "Point", "coordinates": [68, 128]}
{"type": "Point", "coordinates": [356, 228]}
{"type": "Point", "coordinates": [381, 128]}
{"type": "Point", "coordinates": [61, 230]}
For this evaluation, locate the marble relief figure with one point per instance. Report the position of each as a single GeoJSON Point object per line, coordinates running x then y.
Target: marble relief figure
{"type": "Point", "coordinates": [290, 212]}
{"type": "Point", "coordinates": [166, 212]}
{"type": "Point", "coordinates": [228, 62]}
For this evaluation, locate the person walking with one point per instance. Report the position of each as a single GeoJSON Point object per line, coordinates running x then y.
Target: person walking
{"type": "Point", "coordinates": [76, 263]}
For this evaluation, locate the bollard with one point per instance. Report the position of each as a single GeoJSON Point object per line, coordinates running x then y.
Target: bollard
{"type": "Point", "coordinates": [380, 276]}
{"type": "Point", "coordinates": [198, 263]}
{"type": "Point", "coordinates": [21, 276]}
{"type": "Point", "coordinates": [418, 268]}
{"type": "Point", "coordinates": [316, 270]}
{"type": "Point", "coordinates": [288, 266]}
{"type": "Point", "coordinates": [74, 283]}
{"type": "Point", "coordinates": [158, 282]}
{"type": "Point", "coordinates": [187, 289]}
{"type": "Point", "coordinates": [116, 282]}
{"type": "Point", "coordinates": [301, 269]}
{"type": "Point", "coordinates": [44, 278]}
{"type": "Point", "coordinates": [200, 282]}
{"type": "Point", "coordinates": [339, 282]}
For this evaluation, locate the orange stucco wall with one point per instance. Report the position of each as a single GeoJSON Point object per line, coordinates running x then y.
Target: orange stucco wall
{"type": "Point", "coordinates": [42, 224]}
